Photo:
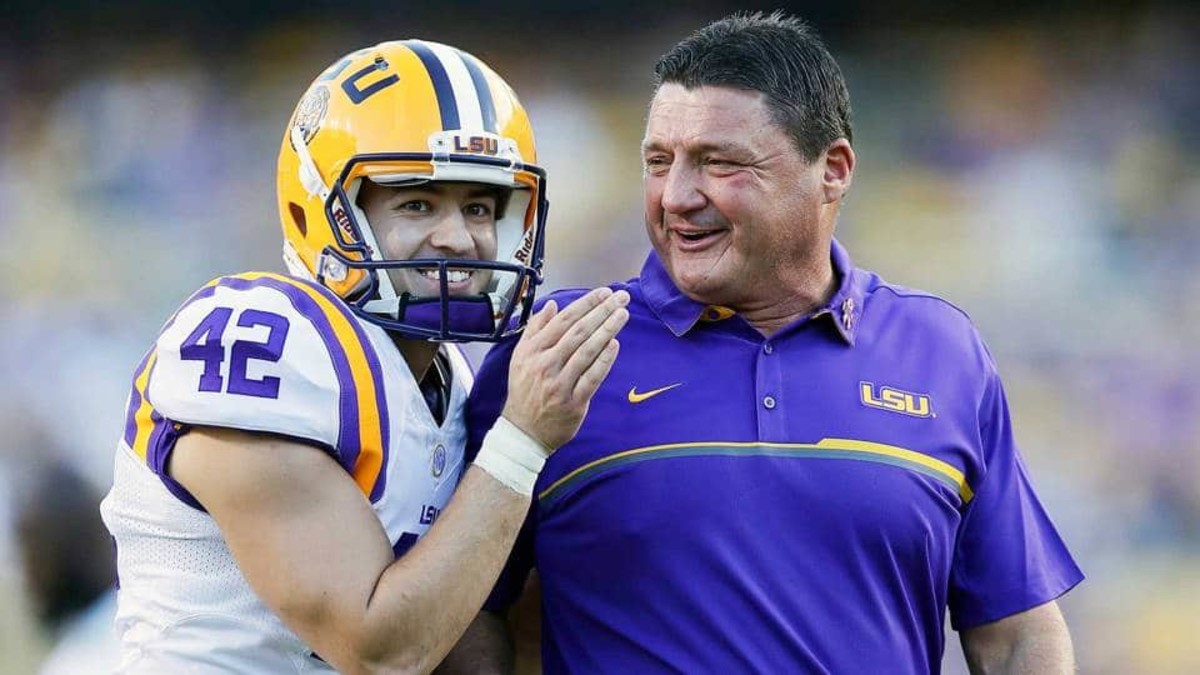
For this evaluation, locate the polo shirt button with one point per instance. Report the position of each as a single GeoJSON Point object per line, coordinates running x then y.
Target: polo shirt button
{"type": "Point", "coordinates": [769, 402]}
{"type": "Point", "coordinates": [769, 348]}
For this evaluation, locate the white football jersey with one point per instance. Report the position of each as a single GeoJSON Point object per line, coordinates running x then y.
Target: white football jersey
{"type": "Point", "coordinates": [277, 354]}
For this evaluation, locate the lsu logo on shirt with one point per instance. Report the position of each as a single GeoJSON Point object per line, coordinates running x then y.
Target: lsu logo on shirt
{"type": "Point", "coordinates": [895, 400]}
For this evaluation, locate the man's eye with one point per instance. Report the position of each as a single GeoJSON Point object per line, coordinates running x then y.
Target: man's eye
{"type": "Point", "coordinates": [415, 206]}
{"type": "Point", "coordinates": [720, 163]}
{"type": "Point", "coordinates": [656, 164]}
{"type": "Point", "coordinates": [478, 210]}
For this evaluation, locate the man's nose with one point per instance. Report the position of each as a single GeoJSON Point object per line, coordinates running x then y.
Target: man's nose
{"type": "Point", "coordinates": [451, 234]}
{"type": "Point", "coordinates": [681, 190]}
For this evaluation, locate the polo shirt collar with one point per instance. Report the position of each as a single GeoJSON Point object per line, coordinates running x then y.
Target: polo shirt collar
{"type": "Point", "coordinates": [680, 313]}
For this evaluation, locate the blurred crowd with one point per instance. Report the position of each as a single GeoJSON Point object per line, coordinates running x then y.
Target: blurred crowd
{"type": "Point", "coordinates": [1041, 169]}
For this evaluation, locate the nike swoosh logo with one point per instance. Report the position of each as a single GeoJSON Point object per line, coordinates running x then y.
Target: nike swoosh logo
{"type": "Point", "coordinates": [635, 397]}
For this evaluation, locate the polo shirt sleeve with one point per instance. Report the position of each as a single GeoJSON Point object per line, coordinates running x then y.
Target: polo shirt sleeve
{"type": "Point", "coordinates": [483, 408]}
{"type": "Point", "coordinates": [1008, 557]}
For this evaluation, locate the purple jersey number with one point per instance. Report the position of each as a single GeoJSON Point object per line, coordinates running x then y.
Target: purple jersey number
{"type": "Point", "coordinates": [204, 344]}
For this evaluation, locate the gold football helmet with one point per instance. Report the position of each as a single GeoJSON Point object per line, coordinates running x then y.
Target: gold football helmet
{"type": "Point", "coordinates": [406, 113]}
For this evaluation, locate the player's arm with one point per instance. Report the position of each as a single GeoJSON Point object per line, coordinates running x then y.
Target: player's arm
{"type": "Point", "coordinates": [485, 649]}
{"type": "Point", "coordinates": [309, 544]}
{"type": "Point", "coordinates": [1033, 641]}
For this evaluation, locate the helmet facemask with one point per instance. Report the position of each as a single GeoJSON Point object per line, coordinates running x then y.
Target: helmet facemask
{"type": "Point", "coordinates": [430, 308]}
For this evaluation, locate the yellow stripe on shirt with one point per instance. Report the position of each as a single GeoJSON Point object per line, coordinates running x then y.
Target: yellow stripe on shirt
{"type": "Point", "coordinates": [828, 448]}
{"type": "Point", "coordinates": [145, 425]}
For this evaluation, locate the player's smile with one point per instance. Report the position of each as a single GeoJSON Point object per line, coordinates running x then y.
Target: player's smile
{"type": "Point", "coordinates": [427, 281]}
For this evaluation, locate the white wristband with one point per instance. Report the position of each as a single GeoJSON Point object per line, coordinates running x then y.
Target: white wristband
{"type": "Point", "coordinates": [512, 456]}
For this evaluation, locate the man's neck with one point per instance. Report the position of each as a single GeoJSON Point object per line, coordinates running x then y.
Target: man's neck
{"type": "Point", "coordinates": [770, 316]}
{"type": "Point", "coordinates": [418, 354]}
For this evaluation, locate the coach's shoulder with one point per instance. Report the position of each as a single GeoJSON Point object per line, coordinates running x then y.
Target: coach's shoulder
{"type": "Point", "coordinates": [923, 317]}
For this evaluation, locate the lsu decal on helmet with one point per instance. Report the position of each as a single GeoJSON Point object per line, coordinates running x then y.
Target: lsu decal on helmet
{"type": "Point", "coordinates": [403, 114]}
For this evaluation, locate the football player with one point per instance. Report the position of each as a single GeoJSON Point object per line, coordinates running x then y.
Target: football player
{"type": "Point", "coordinates": [282, 497]}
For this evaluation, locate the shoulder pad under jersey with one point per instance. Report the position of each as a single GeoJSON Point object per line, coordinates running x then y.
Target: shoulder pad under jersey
{"type": "Point", "coordinates": [272, 353]}
{"type": "Point", "coordinates": [459, 365]}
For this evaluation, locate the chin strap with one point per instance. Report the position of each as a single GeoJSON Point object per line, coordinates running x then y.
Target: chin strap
{"type": "Point", "coordinates": [294, 264]}
{"type": "Point", "coordinates": [466, 314]}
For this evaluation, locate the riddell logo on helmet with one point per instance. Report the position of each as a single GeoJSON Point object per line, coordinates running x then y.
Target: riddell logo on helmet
{"type": "Point", "coordinates": [343, 222]}
{"type": "Point", "coordinates": [526, 250]}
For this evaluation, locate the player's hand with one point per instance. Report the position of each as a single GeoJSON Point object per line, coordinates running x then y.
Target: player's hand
{"type": "Point", "coordinates": [560, 361]}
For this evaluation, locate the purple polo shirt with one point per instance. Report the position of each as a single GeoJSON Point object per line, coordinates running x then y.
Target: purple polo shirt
{"type": "Point", "coordinates": [812, 502]}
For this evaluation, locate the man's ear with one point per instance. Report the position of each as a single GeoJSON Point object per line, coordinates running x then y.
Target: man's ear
{"type": "Point", "coordinates": [838, 161]}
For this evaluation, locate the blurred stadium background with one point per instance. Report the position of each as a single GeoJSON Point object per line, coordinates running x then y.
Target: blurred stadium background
{"type": "Point", "coordinates": [1036, 163]}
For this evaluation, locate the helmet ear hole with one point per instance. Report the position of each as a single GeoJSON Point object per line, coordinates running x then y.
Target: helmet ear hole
{"type": "Point", "coordinates": [298, 218]}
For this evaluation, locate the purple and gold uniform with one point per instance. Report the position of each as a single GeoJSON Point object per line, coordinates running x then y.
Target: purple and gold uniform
{"type": "Point", "coordinates": [275, 354]}
{"type": "Point", "coordinates": [809, 502]}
